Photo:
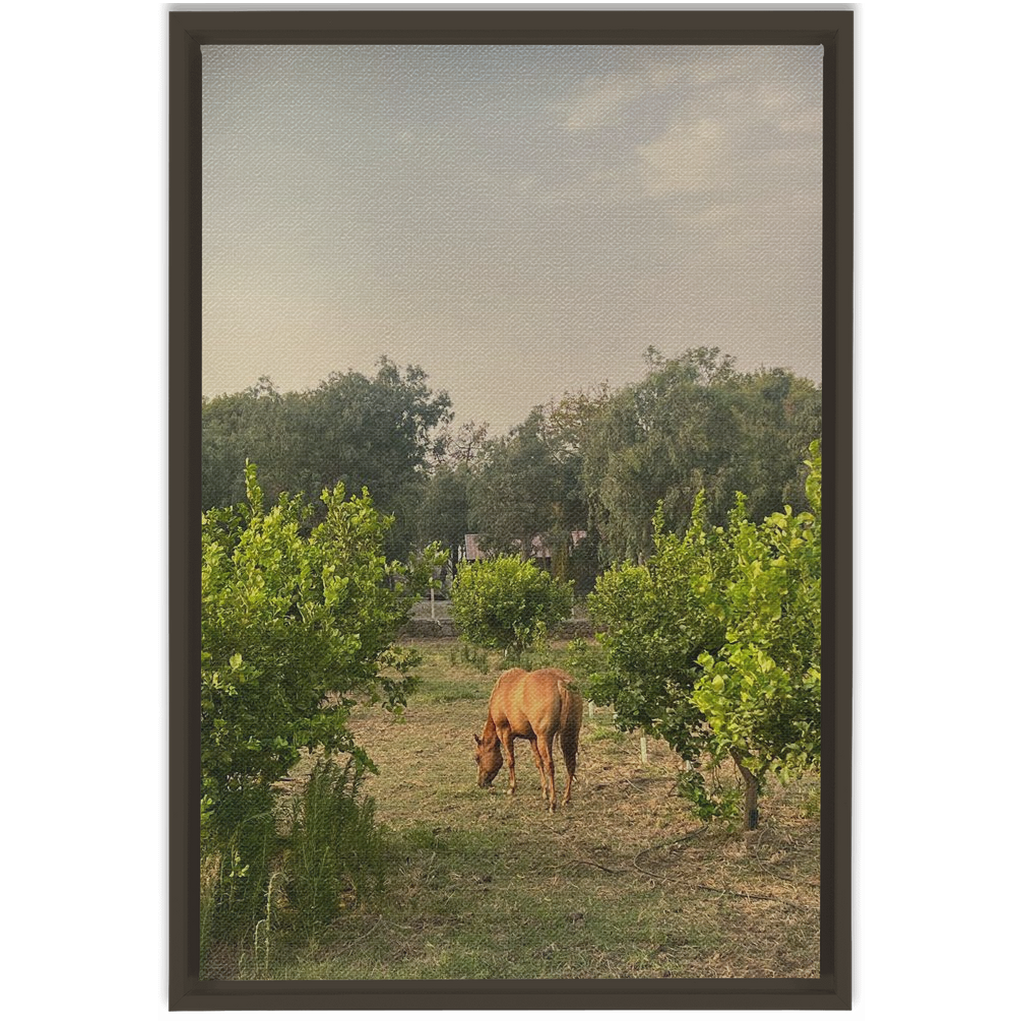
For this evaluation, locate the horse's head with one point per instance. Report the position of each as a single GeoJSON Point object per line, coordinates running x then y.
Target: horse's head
{"type": "Point", "coordinates": [488, 760]}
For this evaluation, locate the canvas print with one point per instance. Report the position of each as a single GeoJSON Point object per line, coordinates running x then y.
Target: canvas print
{"type": "Point", "coordinates": [511, 490]}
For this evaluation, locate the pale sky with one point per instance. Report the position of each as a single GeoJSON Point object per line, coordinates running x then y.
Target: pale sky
{"type": "Point", "coordinates": [517, 220]}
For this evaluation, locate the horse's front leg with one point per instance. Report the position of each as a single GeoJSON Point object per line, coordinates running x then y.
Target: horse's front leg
{"type": "Point", "coordinates": [508, 742]}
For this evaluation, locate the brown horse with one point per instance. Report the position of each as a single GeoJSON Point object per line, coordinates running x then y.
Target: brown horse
{"type": "Point", "coordinates": [534, 706]}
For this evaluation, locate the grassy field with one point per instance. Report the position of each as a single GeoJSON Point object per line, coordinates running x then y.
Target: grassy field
{"type": "Point", "coordinates": [621, 883]}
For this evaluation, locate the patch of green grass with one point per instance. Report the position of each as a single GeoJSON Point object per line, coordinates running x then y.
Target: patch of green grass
{"type": "Point", "coordinates": [444, 679]}
{"type": "Point", "coordinates": [451, 671]}
{"type": "Point", "coordinates": [599, 731]}
{"type": "Point", "coordinates": [468, 909]}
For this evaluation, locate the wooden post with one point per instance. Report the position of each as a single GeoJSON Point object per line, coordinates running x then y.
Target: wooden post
{"type": "Point", "coordinates": [432, 601]}
{"type": "Point", "coordinates": [643, 746]}
{"type": "Point", "coordinates": [750, 793]}
{"type": "Point", "coordinates": [590, 709]}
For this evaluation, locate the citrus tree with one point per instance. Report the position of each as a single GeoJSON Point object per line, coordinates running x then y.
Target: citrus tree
{"type": "Point", "coordinates": [298, 625]}
{"type": "Point", "coordinates": [714, 643]}
{"type": "Point", "coordinates": [760, 692]}
{"type": "Point", "coordinates": [507, 604]}
{"type": "Point", "coordinates": [653, 622]}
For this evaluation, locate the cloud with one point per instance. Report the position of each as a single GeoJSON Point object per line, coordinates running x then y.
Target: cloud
{"type": "Point", "coordinates": [730, 125]}
{"type": "Point", "coordinates": [601, 103]}
{"type": "Point", "coordinates": [605, 101]}
{"type": "Point", "coordinates": [689, 157]}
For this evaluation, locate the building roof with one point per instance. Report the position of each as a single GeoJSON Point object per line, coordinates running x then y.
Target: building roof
{"type": "Point", "coordinates": [538, 549]}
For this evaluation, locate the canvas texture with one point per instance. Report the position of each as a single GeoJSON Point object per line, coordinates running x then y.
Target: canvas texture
{"type": "Point", "coordinates": [531, 298]}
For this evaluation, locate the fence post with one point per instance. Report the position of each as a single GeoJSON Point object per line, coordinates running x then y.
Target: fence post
{"type": "Point", "coordinates": [643, 746]}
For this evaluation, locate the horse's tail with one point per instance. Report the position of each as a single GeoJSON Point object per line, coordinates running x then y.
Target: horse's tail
{"type": "Point", "coordinates": [570, 720]}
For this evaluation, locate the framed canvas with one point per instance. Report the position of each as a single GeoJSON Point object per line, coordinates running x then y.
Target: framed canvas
{"type": "Point", "coordinates": [497, 226]}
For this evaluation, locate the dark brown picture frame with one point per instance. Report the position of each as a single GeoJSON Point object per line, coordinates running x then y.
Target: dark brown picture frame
{"type": "Point", "coordinates": [833, 29]}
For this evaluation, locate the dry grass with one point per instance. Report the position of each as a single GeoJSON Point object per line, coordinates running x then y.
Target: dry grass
{"type": "Point", "coordinates": [621, 883]}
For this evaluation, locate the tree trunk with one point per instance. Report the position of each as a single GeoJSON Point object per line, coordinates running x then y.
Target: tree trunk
{"type": "Point", "coordinates": [750, 792]}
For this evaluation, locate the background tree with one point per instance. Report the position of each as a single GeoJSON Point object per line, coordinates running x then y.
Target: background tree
{"type": "Point", "coordinates": [443, 508]}
{"type": "Point", "coordinates": [443, 512]}
{"type": "Point", "coordinates": [527, 485]}
{"type": "Point", "coordinates": [460, 446]}
{"type": "Point", "coordinates": [374, 432]}
{"type": "Point", "coordinates": [515, 489]}
{"type": "Point", "coordinates": [694, 424]}
{"type": "Point", "coordinates": [258, 424]}
{"type": "Point", "coordinates": [571, 539]}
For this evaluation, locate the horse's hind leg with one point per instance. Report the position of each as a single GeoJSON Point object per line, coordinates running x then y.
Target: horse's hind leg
{"type": "Point", "coordinates": [548, 766]}
{"type": "Point", "coordinates": [540, 766]}
{"type": "Point", "coordinates": [570, 744]}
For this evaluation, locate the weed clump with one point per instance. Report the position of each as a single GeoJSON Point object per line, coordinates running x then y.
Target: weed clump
{"type": "Point", "coordinates": [334, 847]}
{"type": "Point", "coordinates": [261, 880]}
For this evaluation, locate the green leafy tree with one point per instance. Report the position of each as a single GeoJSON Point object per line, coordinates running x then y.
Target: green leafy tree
{"type": "Point", "coordinates": [654, 621]}
{"type": "Point", "coordinates": [259, 424]}
{"type": "Point", "coordinates": [760, 692]}
{"type": "Point", "coordinates": [298, 625]}
{"type": "Point", "coordinates": [443, 513]}
{"type": "Point", "coordinates": [528, 485]}
{"type": "Point", "coordinates": [443, 507]}
{"type": "Point", "coordinates": [515, 490]}
{"type": "Point", "coordinates": [507, 603]}
{"type": "Point", "coordinates": [374, 432]}
{"type": "Point", "coordinates": [714, 642]}
{"type": "Point", "coordinates": [694, 424]}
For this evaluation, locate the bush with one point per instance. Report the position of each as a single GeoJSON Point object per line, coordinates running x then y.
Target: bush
{"type": "Point", "coordinates": [508, 604]}
{"type": "Point", "coordinates": [290, 618]}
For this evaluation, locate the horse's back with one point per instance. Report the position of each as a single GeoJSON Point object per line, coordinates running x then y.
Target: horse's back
{"type": "Point", "coordinates": [536, 703]}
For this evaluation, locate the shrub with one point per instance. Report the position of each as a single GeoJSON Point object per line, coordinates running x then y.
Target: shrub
{"type": "Point", "coordinates": [714, 643]}
{"type": "Point", "coordinates": [508, 604]}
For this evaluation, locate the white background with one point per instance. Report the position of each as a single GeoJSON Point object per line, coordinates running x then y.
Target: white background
{"type": "Point", "coordinates": [938, 376]}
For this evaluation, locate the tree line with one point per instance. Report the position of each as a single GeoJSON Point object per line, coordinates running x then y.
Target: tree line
{"type": "Point", "coordinates": [597, 462]}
